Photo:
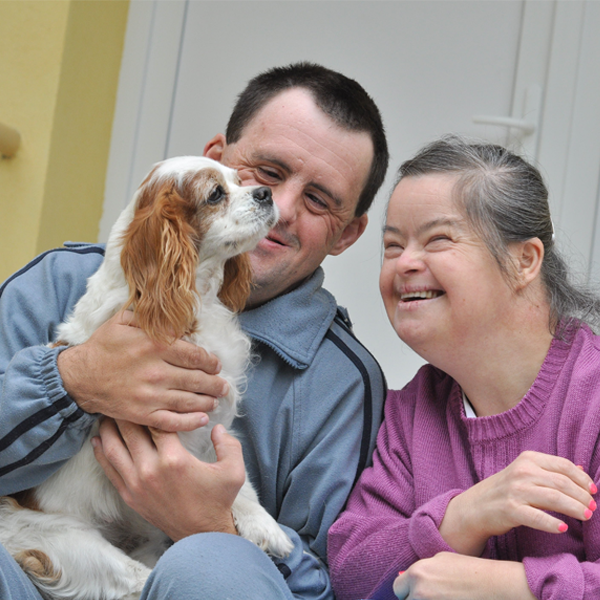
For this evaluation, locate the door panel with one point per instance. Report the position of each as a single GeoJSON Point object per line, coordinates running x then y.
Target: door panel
{"type": "Point", "coordinates": [430, 66]}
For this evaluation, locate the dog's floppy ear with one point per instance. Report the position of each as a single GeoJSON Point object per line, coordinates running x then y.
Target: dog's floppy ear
{"type": "Point", "coordinates": [159, 259]}
{"type": "Point", "coordinates": [237, 282]}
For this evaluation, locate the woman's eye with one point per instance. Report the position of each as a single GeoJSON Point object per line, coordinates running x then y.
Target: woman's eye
{"type": "Point", "coordinates": [439, 238]}
{"type": "Point", "coordinates": [216, 196]}
{"type": "Point", "coordinates": [392, 249]}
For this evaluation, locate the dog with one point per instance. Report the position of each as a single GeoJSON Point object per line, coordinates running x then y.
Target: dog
{"type": "Point", "coordinates": [176, 256]}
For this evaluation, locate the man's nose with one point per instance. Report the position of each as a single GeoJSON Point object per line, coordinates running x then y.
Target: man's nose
{"type": "Point", "coordinates": [287, 200]}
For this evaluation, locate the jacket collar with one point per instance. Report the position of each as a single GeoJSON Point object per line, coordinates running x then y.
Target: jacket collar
{"type": "Point", "coordinates": [294, 324]}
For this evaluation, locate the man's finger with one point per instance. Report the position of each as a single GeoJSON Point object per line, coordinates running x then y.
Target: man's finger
{"type": "Point", "coordinates": [229, 455]}
{"type": "Point", "coordinates": [226, 446]}
{"type": "Point", "coordinates": [165, 441]}
{"type": "Point", "coordinates": [189, 356]}
{"type": "Point", "coordinates": [172, 421]}
{"type": "Point", "coordinates": [113, 475]}
{"type": "Point", "coordinates": [136, 438]}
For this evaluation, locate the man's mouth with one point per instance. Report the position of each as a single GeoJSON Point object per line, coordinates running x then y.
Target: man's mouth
{"type": "Point", "coordinates": [282, 238]}
{"type": "Point", "coordinates": [421, 295]}
{"type": "Point", "coordinates": [275, 240]}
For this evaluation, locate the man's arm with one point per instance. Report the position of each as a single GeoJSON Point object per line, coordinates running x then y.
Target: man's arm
{"type": "Point", "coordinates": [41, 422]}
{"type": "Point", "coordinates": [40, 425]}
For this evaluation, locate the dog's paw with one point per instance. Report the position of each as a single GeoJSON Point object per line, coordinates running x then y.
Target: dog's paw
{"type": "Point", "coordinates": [264, 531]}
{"type": "Point", "coordinates": [139, 573]}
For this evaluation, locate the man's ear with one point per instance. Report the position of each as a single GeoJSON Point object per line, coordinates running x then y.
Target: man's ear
{"type": "Point", "coordinates": [214, 148]}
{"type": "Point", "coordinates": [528, 258]}
{"type": "Point", "coordinates": [351, 233]}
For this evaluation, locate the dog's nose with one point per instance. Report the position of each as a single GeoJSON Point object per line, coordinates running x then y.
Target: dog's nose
{"type": "Point", "coordinates": [263, 195]}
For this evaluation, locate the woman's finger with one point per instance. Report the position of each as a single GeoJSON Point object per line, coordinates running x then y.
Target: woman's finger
{"type": "Point", "coordinates": [401, 587]}
{"type": "Point", "coordinates": [564, 467]}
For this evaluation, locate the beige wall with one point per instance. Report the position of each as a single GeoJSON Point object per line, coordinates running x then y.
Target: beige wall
{"type": "Point", "coordinates": [59, 70]}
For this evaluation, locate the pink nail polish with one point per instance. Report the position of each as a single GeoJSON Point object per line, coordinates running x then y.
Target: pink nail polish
{"type": "Point", "coordinates": [593, 505]}
{"type": "Point", "coordinates": [563, 527]}
{"type": "Point", "coordinates": [593, 488]}
{"type": "Point", "coordinates": [588, 513]}
{"type": "Point", "coordinates": [580, 467]}
{"type": "Point", "coordinates": [400, 572]}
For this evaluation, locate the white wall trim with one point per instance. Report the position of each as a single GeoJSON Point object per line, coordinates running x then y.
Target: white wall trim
{"type": "Point", "coordinates": [144, 100]}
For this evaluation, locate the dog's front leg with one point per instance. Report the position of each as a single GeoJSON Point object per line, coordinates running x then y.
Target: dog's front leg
{"type": "Point", "coordinates": [254, 523]}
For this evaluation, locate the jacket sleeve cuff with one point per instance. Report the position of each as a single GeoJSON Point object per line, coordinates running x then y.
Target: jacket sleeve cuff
{"type": "Point", "coordinates": [56, 392]}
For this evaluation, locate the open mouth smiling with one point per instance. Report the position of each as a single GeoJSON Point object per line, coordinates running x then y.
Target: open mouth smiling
{"type": "Point", "coordinates": [421, 295]}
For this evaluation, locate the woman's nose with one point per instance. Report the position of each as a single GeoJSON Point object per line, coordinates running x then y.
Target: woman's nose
{"type": "Point", "coordinates": [410, 260]}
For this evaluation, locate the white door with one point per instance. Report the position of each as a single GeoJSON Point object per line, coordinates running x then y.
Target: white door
{"type": "Point", "coordinates": [430, 66]}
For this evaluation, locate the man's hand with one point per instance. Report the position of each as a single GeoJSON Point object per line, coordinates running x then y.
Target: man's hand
{"type": "Point", "coordinates": [449, 576]}
{"type": "Point", "coordinates": [520, 494]}
{"type": "Point", "coordinates": [157, 477]}
{"type": "Point", "coordinates": [120, 372]}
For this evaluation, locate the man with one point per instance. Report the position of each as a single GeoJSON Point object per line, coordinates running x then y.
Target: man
{"type": "Point", "coordinates": [312, 408]}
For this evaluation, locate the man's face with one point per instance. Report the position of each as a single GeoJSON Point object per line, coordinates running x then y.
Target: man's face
{"type": "Point", "coordinates": [316, 170]}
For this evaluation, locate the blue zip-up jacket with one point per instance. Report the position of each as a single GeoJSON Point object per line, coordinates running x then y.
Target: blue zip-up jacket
{"type": "Point", "coordinates": [307, 423]}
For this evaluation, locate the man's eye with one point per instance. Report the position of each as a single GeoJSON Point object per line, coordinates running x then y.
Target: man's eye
{"type": "Point", "coordinates": [317, 202]}
{"type": "Point", "coordinates": [216, 196]}
{"type": "Point", "coordinates": [267, 174]}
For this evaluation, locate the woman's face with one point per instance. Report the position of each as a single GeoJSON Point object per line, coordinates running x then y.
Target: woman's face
{"type": "Point", "coordinates": [440, 285]}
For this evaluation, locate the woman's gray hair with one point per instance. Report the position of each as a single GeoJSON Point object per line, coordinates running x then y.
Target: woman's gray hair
{"type": "Point", "coordinates": [505, 200]}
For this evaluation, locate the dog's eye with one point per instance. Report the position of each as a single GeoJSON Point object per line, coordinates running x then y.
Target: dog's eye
{"type": "Point", "coordinates": [216, 196]}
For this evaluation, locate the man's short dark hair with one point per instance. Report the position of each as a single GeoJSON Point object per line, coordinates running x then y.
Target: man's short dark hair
{"type": "Point", "coordinates": [341, 98]}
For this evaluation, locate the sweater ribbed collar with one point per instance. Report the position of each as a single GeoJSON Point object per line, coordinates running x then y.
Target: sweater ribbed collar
{"type": "Point", "coordinates": [531, 406]}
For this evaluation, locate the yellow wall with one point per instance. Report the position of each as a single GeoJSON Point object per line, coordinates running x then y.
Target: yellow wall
{"type": "Point", "coordinates": [59, 70]}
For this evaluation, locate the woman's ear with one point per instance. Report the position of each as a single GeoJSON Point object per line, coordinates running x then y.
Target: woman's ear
{"type": "Point", "coordinates": [214, 148]}
{"type": "Point", "coordinates": [528, 258]}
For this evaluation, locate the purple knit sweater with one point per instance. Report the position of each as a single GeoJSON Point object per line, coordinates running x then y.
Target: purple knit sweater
{"type": "Point", "coordinates": [428, 452]}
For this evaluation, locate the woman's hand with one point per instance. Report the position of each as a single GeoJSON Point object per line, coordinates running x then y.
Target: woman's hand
{"type": "Point", "coordinates": [518, 495]}
{"type": "Point", "coordinates": [449, 576]}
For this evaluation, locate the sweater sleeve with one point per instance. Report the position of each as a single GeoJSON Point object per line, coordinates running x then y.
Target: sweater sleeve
{"type": "Point", "coordinates": [570, 573]}
{"type": "Point", "coordinates": [562, 576]}
{"type": "Point", "coordinates": [384, 528]}
{"type": "Point", "coordinates": [40, 425]}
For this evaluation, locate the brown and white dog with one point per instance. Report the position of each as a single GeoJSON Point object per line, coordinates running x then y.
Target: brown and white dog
{"type": "Point", "coordinates": [176, 256]}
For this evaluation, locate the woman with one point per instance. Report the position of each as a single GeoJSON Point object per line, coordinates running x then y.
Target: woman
{"type": "Point", "coordinates": [483, 479]}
